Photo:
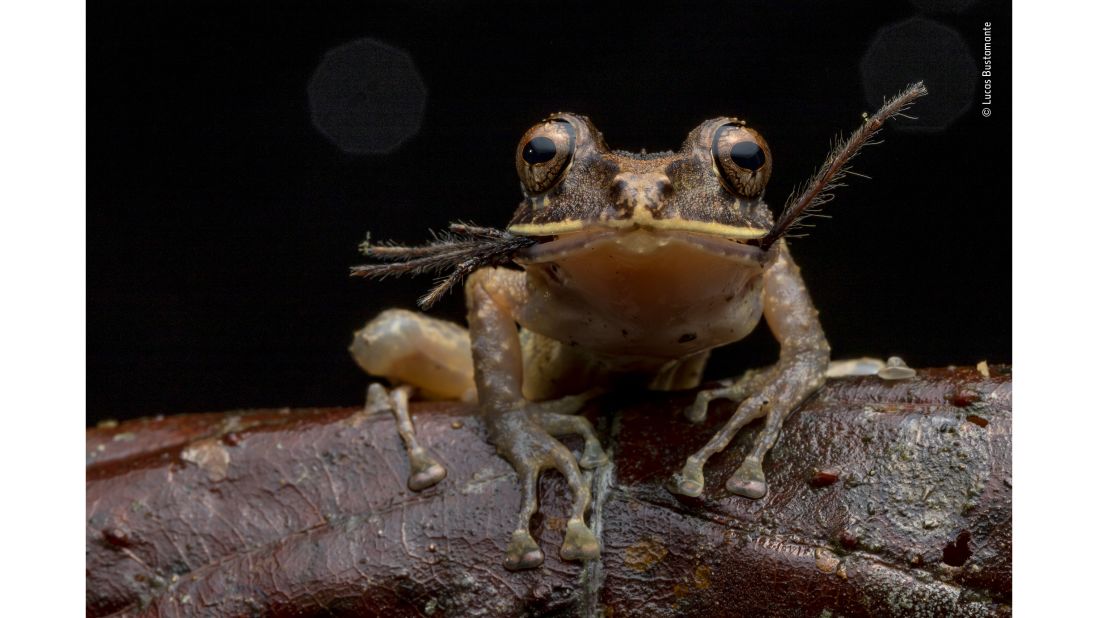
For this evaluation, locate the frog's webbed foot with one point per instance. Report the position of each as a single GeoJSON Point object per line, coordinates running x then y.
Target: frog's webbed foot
{"type": "Point", "coordinates": [525, 438]}
{"type": "Point", "coordinates": [774, 400]}
{"type": "Point", "coordinates": [691, 481]}
{"type": "Point", "coordinates": [426, 471]}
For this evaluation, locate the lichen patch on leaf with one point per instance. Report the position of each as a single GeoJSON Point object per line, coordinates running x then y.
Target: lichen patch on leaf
{"type": "Point", "coordinates": [640, 556]}
{"type": "Point", "coordinates": [209, 455]}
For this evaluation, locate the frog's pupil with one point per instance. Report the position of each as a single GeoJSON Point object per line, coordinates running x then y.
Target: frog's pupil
{"type": "Point", "coordinates": [539, 150]}
{"type": "Point", "coordinates": [748, 155]}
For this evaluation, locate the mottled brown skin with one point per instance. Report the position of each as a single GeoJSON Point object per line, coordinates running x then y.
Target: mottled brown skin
{"type": "Point", "coordinates": [645, 263]}
{"type": "Point", "coordinates": [598, 185]}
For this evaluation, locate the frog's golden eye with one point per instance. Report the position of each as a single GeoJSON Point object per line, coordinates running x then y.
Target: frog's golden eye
{"type": "Point", "coordinates": [742, 158]}
{"type": "Point", "coordinates": [545, 153]}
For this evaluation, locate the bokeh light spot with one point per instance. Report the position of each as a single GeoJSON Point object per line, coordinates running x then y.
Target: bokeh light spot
{"type": "Point", "coordinates": [921, 49]}
{"type": "Point", "coordinates": [367, 97]}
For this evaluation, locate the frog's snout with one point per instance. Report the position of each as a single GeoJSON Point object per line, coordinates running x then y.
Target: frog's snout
{"type": "Point", "coordinates": [629, 190]}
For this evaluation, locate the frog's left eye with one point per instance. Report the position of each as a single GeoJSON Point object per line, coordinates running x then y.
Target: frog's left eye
{"type": "Point", "coordinates": [544, 154]}
{"type": "Point", "coordinates": [742, 158]}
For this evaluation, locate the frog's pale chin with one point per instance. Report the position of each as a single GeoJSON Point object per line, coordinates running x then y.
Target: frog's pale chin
{"type": "Point", "coordinates": [643, 292]}
{"type": "Point", "coordinates": [640, 241]}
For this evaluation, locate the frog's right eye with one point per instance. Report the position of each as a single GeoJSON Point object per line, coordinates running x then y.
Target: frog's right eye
{"type": "Point", "coordinates": [544, 154]}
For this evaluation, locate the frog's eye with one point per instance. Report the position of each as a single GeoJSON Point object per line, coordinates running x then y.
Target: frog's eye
{"type": "Point", "coordinates": [544, 154]}
{"type": "Point", "coordinates": [742, 158]}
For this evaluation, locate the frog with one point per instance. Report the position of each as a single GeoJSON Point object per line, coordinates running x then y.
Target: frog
{"type": "Point", "coordinates": [620, 268]}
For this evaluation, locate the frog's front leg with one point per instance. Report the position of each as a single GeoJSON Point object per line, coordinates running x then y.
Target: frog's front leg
{"type": "Point", "coordinates": [521, 431]}
{"type": "Point", "coordinates": [776, 390]}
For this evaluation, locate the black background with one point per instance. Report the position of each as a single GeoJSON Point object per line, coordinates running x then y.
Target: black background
{"type": "Point", "coordinates": [221, 222]}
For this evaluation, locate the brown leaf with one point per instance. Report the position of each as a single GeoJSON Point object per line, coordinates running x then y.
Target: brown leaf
{"type": "Point", "coordinates": [306, 512]}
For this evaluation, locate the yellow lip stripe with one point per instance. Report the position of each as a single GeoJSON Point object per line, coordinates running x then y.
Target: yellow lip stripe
{"type": "Point", "coordinates": [675, 224]}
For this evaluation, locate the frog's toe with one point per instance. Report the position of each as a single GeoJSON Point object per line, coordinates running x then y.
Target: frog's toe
{"type": "Point", "coordinates": [736, 389]}
{"type": "Point", "coordinates": [522, 552]}
{"type": "Point", "coordinates": [685, 487]}
{"type": "Point", "coordinates": [579, 542]}
{"type": "Point", "coordinates": [748, 480]}
{"type": "Point", "coordinates": [690, 482]}
{"type": "Point", "coordinates": [425, 470]}
{"type": "Point", "coordinates": [697, 412]}
{"type": "Point", "coordinates": [563, 424]}
{"type": "Point", "coordinates": [427, 476]}
{"type": "Point", "coordinates": [593, 456]}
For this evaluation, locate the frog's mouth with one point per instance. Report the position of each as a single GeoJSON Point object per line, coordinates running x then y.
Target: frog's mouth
{"type": "Point", "coordinates": [641, 218]}
{"type": "Point", "coordinates": [639, 241]}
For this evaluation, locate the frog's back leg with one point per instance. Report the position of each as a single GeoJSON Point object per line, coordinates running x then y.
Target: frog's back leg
{"type": "Point", "coordinates": [551, 369]}
{"type": "Point", "coordinates": [434, 356]}
{"type": "Point", "coordinates": [411, 348]}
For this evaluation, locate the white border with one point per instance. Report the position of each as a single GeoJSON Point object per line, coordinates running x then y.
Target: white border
{"type": "Point", "coordinates": [42, 240]}
{"type": "Point", "coordinates": [42, 253]}
{"type": "Point", "coordinates": [1054, 168]}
